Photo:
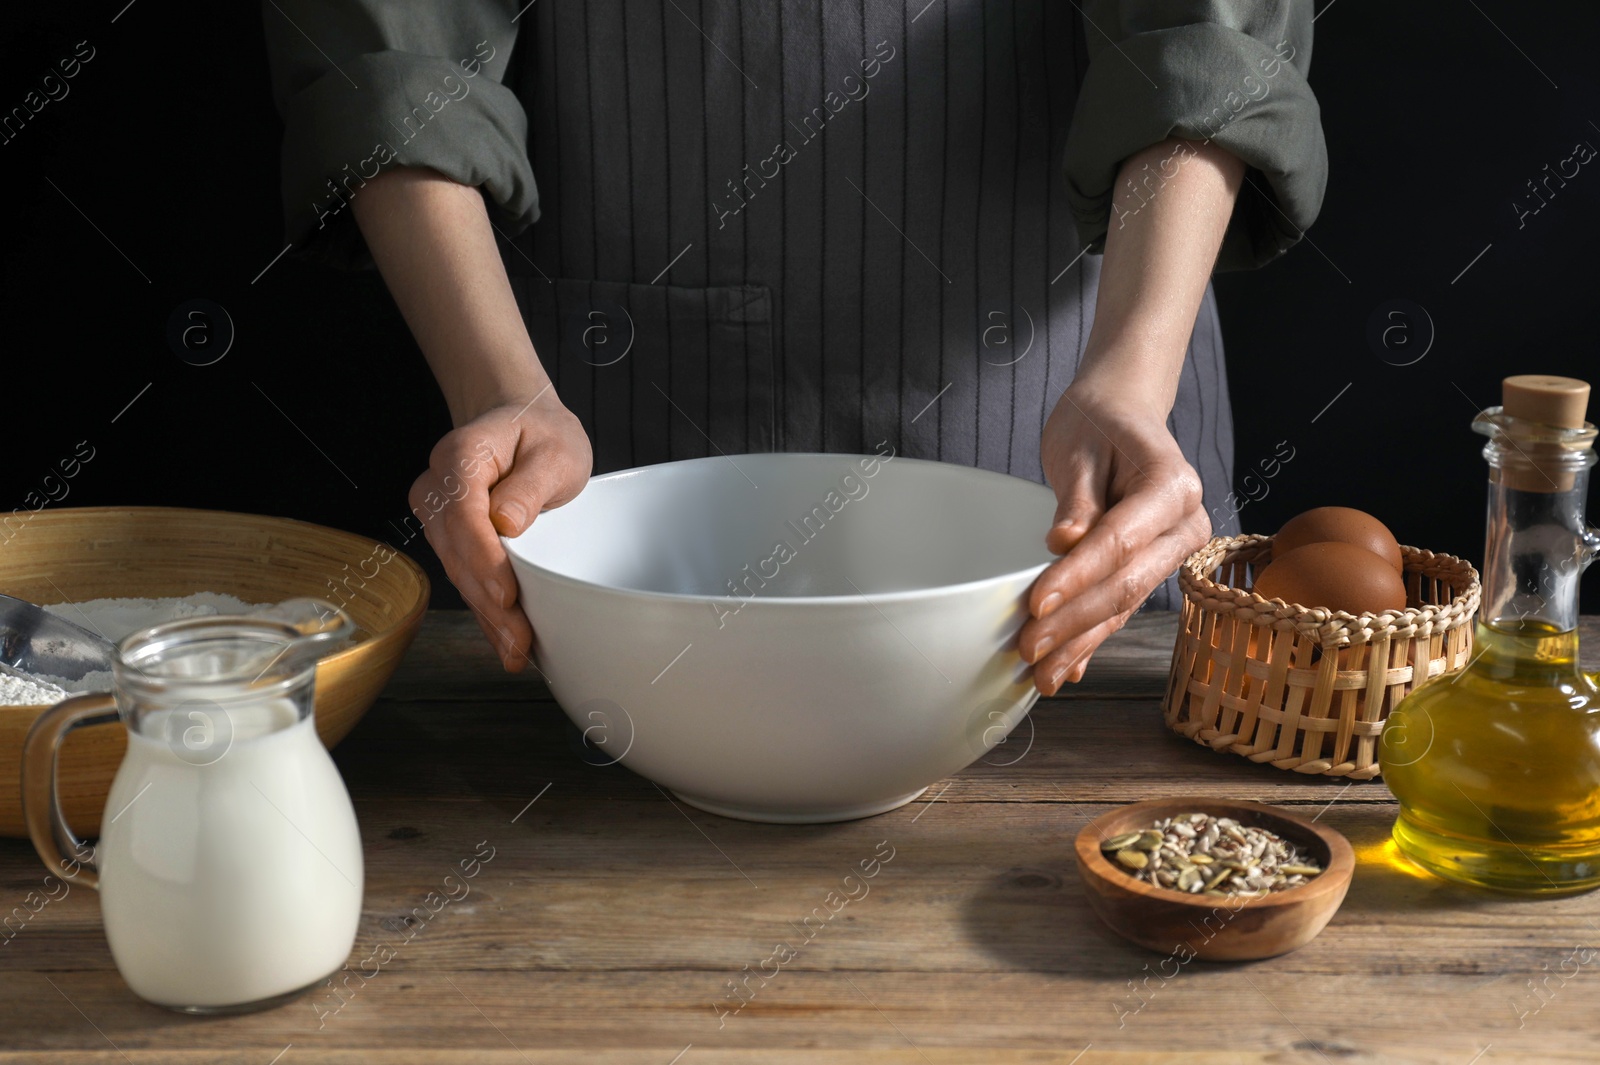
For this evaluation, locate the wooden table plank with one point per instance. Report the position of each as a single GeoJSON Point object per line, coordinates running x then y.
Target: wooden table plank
{"type": "Point", "coordinates": [611, 923]}
{"type": "Point", "coordinates": [1067, 750]}
{"type": "Point", "coordinates": [438, 1016]}
{"type": "Point", "coordinates": [451, 660]}
{"type": "Point", "coordinates": [658, 886]}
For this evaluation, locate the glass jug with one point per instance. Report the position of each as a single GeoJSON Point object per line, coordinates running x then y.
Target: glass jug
{"type": "Point", "coordinates": [1497, 767]}
{"type": "Point", "coordinates": [229, 862]}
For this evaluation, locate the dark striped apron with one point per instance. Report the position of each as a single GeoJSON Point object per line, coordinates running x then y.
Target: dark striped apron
{"type": "Point", "coordinates": [814, 227]}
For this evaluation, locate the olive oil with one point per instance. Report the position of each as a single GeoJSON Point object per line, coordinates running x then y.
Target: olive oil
{"type": "Point", "coordinates": [1497, 767]}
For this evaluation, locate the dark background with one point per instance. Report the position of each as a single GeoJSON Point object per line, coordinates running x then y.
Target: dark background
{"type": "Point", "coordinates": [155, 182]}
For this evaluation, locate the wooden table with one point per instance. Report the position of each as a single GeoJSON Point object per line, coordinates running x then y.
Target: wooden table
{"type": "Point", "coordinates": [609, 924]}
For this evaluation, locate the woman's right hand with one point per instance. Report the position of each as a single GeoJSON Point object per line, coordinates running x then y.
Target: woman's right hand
{"type": "Point", "coordinates": [515, 449]}
{"type": "Point", "coordinates": [491, 476]}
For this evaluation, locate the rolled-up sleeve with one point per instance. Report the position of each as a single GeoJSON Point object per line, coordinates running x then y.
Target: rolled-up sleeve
{"type": "Point", "coordinates": [367, 85]}
{"type": "Point", "coordinates": [1232, 72]}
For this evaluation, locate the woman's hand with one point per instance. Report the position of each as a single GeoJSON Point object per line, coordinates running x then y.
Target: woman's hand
{"type": "Point", "coordinates": [1129, 507]}
{"type": "Point", "coordinates": [515, 449]}
{"type": "Point", "coordinates": [1128, 512]}
{"type": "Point", "coordinates": [491, 476]}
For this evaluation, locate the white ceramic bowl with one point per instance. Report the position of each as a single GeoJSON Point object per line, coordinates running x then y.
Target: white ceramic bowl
{"type": "Point", "coordinates": [789, 637]}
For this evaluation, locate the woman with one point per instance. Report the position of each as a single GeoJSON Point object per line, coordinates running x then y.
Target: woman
{"type": "Point", "coordinates": [973, 230]}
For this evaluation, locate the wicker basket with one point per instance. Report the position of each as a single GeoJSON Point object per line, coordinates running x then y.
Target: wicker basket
{"type": "Point", "coordinates": [1307, 689]}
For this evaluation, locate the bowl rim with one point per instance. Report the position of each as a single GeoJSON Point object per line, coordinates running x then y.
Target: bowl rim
{"type": "Point", "coordinates": [410, 618]}
{"type": "Point", "coordinates": [1334, 880]}
{"type": "Point", "coordinates": [906, 596]}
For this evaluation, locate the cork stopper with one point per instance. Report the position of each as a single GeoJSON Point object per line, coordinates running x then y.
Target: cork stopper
{"type": "Point", "coordinates": [1560, 402]}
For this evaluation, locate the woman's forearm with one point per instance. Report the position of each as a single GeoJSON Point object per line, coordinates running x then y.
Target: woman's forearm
{"type": "Point", "coordinates": [1171, 207]}
{"type": "Point", "coordinates": [433, 243]}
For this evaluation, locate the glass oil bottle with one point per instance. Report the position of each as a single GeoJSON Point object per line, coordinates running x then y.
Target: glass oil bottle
{"type": "Point", "coordinates": [1497, 767]}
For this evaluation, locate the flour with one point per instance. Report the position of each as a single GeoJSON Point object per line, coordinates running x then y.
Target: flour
{"type": "Point", "coordinates": [98, 680]}
{"type": "Point", "coordinates": [113, 619]}
{"type": "Point", "coordinates": [18, 690]}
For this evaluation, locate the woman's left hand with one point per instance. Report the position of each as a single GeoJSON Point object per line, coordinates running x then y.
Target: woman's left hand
{"type": "Point", "coordinates": [1129, 511]}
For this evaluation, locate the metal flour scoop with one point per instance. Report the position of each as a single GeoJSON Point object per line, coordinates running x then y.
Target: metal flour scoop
{"type": "Point", "coordinates": [37, 642]}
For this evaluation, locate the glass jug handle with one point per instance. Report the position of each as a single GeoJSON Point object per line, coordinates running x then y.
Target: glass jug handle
{"type": "Point", "coordinates": [41, 795]}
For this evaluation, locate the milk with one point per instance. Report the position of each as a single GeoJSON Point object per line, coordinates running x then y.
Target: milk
{"type": "Point", "coordinates": [234, 881]}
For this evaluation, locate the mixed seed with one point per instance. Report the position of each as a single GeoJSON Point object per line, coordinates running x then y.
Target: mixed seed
{"type": "Point", "coordinates": [1201, 854]}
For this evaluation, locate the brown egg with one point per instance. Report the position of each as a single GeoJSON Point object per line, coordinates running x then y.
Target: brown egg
{"type": "Point", "coordinates": [1334, 575]}
{"type": "Point", "coordinates": [1343, 524]}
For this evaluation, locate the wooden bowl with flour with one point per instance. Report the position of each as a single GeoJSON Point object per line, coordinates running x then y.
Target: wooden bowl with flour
{"type": "Point", "coordinates": [74, 554]}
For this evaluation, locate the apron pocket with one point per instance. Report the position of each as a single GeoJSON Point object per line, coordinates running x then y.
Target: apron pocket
{"type": "Point", "coordinates": [657, 372]}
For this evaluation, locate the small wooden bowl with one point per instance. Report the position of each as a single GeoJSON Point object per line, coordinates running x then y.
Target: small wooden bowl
{"type": "Point", "coordinates": [1201, 926]}
{"type": "Point", "coordinates": [71, 554]}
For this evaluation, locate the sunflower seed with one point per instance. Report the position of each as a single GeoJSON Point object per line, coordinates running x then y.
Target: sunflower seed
{"type": "Point", "coordinates": [1197, 853]}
